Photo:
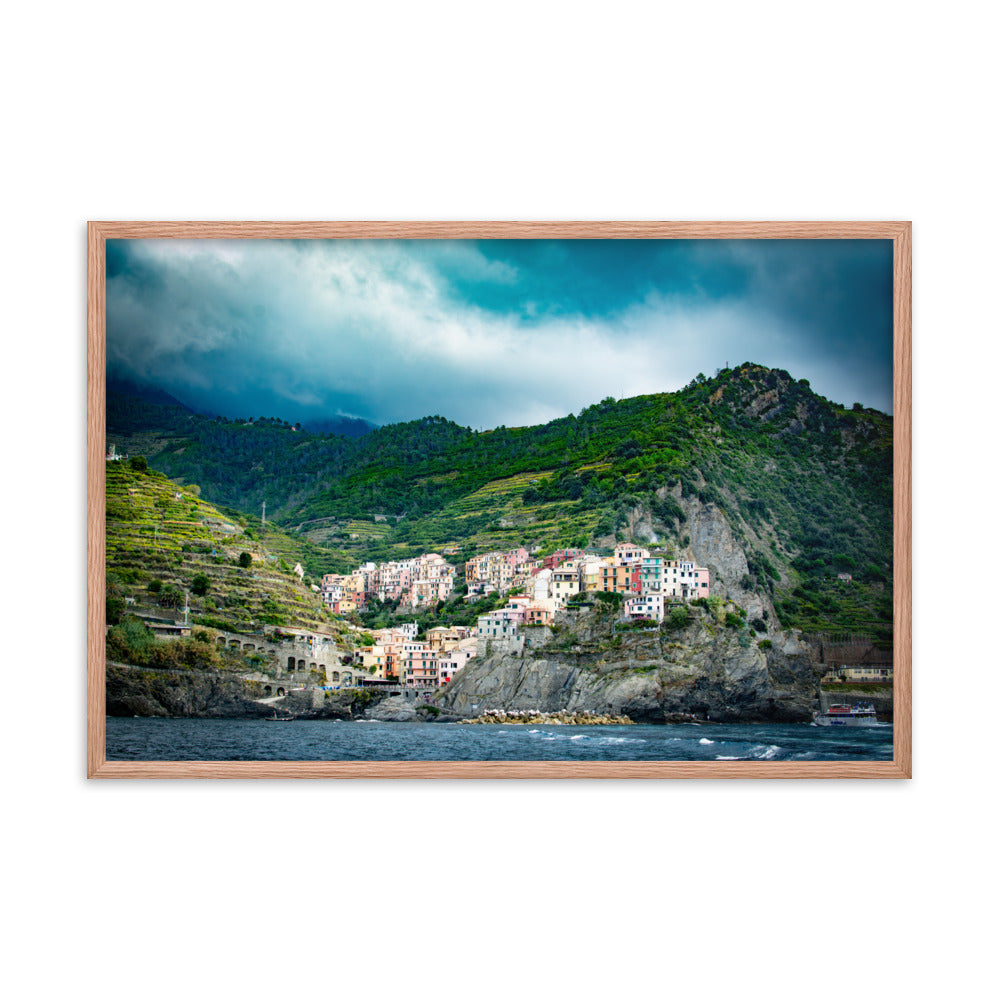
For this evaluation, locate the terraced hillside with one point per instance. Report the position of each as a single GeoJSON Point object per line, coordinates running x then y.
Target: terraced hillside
{"type": "Point", "coordinates": [166, 546]}
{"type": "Point", "coordinates": [803, 483]}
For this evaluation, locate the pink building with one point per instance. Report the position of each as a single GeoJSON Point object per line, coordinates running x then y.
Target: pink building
{"type": "Point", "coordinates": [558, 558]}
{"type": "Point", "coordinates": [450, 663]}
{"type": "Point", "coordinates": [537, 614]}
{"type": "Point", "coordinates": [418, 665]}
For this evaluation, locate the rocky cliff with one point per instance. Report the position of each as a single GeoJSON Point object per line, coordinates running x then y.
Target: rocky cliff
{"type": "Point", "coordinates": [704, 668]}
{"type": "Point", "coordinates": [212, 694]}
{"type": "Point", "coordinates": [180, 694]}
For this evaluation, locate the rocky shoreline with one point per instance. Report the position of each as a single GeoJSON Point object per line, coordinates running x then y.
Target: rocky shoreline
{"type": "Point", "coordinates": [525, 717]}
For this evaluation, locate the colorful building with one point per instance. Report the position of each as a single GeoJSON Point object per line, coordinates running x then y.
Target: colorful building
{"type": "Point", "coordinates": [627, 553]}
{"type": "Point", "coordinates": [647, 606]}
{"type": "Point", "coordinates": [620, 578]}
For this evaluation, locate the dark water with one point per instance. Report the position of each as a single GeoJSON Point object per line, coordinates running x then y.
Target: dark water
{"type": "Point", "coordinates": [239, 739]}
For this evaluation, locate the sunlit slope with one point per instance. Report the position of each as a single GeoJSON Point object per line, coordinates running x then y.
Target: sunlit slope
{"type": "Point", "coordinates": [166, 545]}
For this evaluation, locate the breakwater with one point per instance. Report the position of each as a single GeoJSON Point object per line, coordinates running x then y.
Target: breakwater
{"type": "Point", "coordinates": [526, 717]}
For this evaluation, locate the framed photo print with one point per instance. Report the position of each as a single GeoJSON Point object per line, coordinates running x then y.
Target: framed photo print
{"type": "Point", "coordinates": [498, 499]}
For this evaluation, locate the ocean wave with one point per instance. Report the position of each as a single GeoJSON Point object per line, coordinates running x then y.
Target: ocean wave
{"type": "Point", "coordinates": [590, 737]}
{"type": "Point", "coordinates": [705, 742]}
{"type": "Point", "coordinates": [719, 757]}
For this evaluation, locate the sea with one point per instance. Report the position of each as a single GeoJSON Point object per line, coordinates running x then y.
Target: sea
{"type": "Point", "coordinates": [257, 739]}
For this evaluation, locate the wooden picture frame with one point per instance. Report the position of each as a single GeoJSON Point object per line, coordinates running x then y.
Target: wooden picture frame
{"type": "Point", "coordinates": [99, 232]}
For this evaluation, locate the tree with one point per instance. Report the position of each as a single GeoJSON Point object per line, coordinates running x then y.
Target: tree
{"type": "Point", "coordinates": [138, 463]}
{"type": "Point", "coordinates": [199, 585]}
{"type": "Point", "coordinates": [676, 620]}
{"type": "Point", "coordinates": [245, 560]}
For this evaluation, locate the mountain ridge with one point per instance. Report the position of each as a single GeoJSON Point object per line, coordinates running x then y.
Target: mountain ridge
{"type": "Point", "coordinates": [802, 484]}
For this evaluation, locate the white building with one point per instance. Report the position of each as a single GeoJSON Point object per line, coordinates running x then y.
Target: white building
{"type": "Point", "coordinates": [648, 606]}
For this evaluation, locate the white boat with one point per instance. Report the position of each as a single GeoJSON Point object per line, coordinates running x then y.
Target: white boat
{"type": "Point", "coordinates": [847, 715]}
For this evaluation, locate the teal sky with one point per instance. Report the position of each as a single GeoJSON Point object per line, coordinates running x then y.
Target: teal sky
{"type": "Point", "coordinates": [489, 332]}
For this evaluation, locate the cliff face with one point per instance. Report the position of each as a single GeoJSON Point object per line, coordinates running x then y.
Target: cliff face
{"type": "Point", "coordinates": [706, 669]}
{"type": "Point", "coordinates": [207, 694]}
{"type": "Point", "coordinates": [176, 694]}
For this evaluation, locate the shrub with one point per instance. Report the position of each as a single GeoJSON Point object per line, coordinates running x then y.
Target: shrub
{"type": "Point", "coordinates": [245, 560]}
{"type": "Point", "coordinates": [609, 597]}
{"type": "Point", "coordinates": [155, 586]}
{"type": "Point", "coordinates": [138, 463]}
{"type": "Point", "coordinates": [676, 620]}
{"type": "Point", "coordinates": [765, 644]}
{"type": "Point", "coordinates": [199, 585]}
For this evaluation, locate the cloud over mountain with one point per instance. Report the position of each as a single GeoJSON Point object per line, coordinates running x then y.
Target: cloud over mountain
{"type": "Point", "coordinates": [489, 332]}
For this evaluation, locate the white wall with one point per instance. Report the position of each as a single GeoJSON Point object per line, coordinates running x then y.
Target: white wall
{"type": "Point", "coordinates": [774, 110]}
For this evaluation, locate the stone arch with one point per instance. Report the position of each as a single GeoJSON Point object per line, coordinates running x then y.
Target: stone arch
{"type": "Point", "coordinates": [302, 664]}
{"type": "Point", "coordinates": [281, 692]}
{"type": "Point", "coordinates": [234, 643]}
{"type": "Point", "coordinates": [248, 647]}
{"type": "Point", "coordinates": [335, 677]}
{"type": "Point", "coordinates": [267, 689]}
{"type": "Point", "coordinates": [220, 640]}
{"type": "Point", "coordinates": [312, 666]}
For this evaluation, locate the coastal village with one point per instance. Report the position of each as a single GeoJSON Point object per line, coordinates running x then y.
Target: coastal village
{"type": "Point", "coordinates": [537, 588]}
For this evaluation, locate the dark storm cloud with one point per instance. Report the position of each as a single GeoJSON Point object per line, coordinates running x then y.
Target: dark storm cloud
{"type": "Point", "coordinates": [489, 332]}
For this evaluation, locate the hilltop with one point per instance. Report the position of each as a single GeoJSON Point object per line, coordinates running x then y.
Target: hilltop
{"type": "Point", "coordinates": [778, 490]}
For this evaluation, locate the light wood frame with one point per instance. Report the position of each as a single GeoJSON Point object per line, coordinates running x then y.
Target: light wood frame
{"type": "Point", "coordinates": [898, 232]}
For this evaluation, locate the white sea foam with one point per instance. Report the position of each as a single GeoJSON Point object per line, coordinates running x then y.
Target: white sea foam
{"type": "Point", "coordinates": [705, 742]}
{"type": "Point", "coordinates": [728, 758]}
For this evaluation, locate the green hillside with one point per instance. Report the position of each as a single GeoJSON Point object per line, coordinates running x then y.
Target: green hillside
{"type": "Point", "coordinates": [805, 484]}
{"type": "Point", "coordinates": [166, 545]}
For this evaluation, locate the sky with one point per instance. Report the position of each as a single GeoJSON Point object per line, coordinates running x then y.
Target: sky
{"type": "Point", "coordinates": [489, 332]}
